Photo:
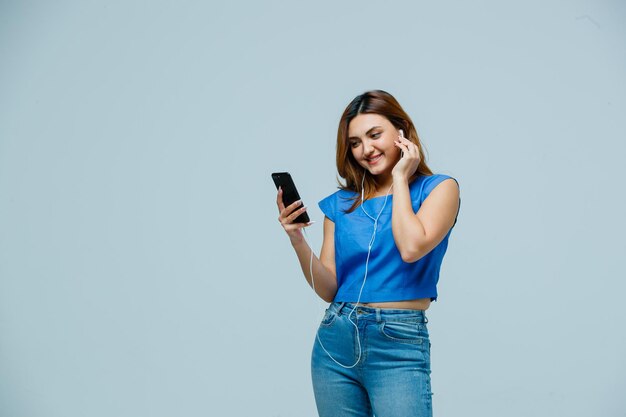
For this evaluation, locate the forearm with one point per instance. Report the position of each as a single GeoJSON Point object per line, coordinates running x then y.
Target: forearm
{"type": "Point", "coordinates": [408, 231]}
{"type": "Point", "coordinates": [325, 280]}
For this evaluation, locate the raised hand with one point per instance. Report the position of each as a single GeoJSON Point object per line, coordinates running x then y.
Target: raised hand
{"type": "Point", "coordinates": [410, 160]}
{"type": "Point", "coordinates": [288, 214]}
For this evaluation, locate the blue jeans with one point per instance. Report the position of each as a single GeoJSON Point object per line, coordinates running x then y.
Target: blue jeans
{"type": "Point", "coordinates": [391, 375]}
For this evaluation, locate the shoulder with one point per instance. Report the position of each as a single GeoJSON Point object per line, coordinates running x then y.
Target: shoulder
{"type": "Point", "coordinates": [445, 185]}
{"type": "Point", "coordinates": [336, 202]}
{"type": "Point", "coordinates": [430, 182]}
{"type": "Point", "coordinates": [442, 194]}
{"type": "Point", "coordinates": [423, 186]}
{"type": "Point", "coordinates": [338, 195]}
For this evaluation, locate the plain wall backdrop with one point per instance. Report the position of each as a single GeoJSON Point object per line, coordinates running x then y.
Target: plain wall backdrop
{"type": "Point", "coordinates": [143, 271]}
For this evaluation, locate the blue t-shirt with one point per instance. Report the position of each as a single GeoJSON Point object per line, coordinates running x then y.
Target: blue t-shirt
{"type": "Point", "coordinates": [389, 278]}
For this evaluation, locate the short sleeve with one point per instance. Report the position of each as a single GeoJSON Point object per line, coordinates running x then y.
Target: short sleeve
{"type": "Point", "coordinates": [329, 206]}
{"type": "Point", "coordinates": [432, 182]}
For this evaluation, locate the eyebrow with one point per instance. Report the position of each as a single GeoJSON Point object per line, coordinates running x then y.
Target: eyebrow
{"type": "Point", "coordinates": [366, 133]}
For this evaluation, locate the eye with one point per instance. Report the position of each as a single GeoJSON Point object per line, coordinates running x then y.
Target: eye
{"type": "Point", "coordinates": [375, 135]}
{"type": "Point", "coordinates": [354, 144]}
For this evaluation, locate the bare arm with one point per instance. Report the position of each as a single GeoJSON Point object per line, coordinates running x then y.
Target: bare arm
{"type": "Point", "coordinates": [416, 234]}
{"type": "Point", "coordinates": [324, 266]}
{"type": "Point", "coordinates": [324, 273]}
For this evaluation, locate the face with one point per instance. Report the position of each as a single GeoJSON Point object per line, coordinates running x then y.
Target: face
{"type": "Point", "coordinates": [371, 139]}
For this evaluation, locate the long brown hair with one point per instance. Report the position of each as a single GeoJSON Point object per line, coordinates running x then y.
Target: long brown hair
{"type": "Point", "coordinates": [384, 104]}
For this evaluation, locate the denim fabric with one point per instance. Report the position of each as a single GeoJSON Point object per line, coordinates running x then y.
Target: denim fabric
{"type": "Point", "coordinates": [392, 375]}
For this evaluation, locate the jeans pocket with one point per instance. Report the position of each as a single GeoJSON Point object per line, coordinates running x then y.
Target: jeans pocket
{"type": "Point", "coordinates": [405, 331]}
{"type": "Point", "coordinates": [328, 319]}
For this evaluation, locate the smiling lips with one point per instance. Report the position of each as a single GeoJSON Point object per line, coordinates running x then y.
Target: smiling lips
{"type": "Point", "coordinates": [372, 160]}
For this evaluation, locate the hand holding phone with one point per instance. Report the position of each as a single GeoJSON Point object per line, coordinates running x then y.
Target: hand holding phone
{"type": "Point", "coordinates": [290, 195]}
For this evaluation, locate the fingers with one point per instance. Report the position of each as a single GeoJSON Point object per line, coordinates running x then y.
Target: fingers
{"type": "Point", "coordinates": [403, 147]}
{"type": "Point", "coordinates": [281, 205]}
{"type": "Point", "coordinates": [289, 218]}
{"type": "Point", "coordinates": [401, 136]}
{"type": "Point", "coordinates": [407, 146]}
{"type": "Point", "coordinates": [279, 199]}
{"type": "Point", "coordinates": [295, 226]}
{"type": "Point", "coordinates": [291, 212]}
{"type": "Point", "coordinates": [288, 215]}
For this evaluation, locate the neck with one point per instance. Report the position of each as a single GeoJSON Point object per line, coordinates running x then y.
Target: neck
{"type": "Point", "coordinates": [384, 189]}
{"type": "Point", "coordinates": [384, 184]}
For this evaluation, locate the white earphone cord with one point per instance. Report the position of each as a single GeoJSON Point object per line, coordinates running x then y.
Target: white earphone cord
{"type": "Point", "coordinates": [369, 250]}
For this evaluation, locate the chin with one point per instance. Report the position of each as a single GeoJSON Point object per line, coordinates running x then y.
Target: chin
{"type": "Point", "coordinates": [376, 171]}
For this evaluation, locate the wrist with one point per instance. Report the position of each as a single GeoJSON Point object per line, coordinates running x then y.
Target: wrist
{"type": "Point", "coordinates": [297, 240]}
{"type": "Point", "coordinates": [400, 179]}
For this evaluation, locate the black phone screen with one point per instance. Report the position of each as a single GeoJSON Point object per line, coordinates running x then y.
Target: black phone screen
{"type": "Point", "coordinates": [290, 193]}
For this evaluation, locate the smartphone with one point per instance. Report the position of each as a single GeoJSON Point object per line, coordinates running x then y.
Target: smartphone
{"type": "Point", "coordinates": [290, 193]}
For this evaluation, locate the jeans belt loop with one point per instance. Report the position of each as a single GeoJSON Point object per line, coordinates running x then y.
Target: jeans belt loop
{"type": "Point", "coordinates": [341, 305]}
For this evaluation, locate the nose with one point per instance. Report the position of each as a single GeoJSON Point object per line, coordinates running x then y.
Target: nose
{"type": "Point", "coordinates": [368, 149]}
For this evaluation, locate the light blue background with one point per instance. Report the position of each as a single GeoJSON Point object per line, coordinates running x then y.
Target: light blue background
{"type": "Point", "coordinates": [142, 268]}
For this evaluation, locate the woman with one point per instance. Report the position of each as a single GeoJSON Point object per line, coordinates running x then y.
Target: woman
{"type": "Point", "coordinates": [385, 234]}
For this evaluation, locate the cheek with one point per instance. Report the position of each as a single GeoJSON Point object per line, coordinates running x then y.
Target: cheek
{"type": "Point", "coordinates": [392, 147]}
{"type": "Point", "coordinates": [395, 153]}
